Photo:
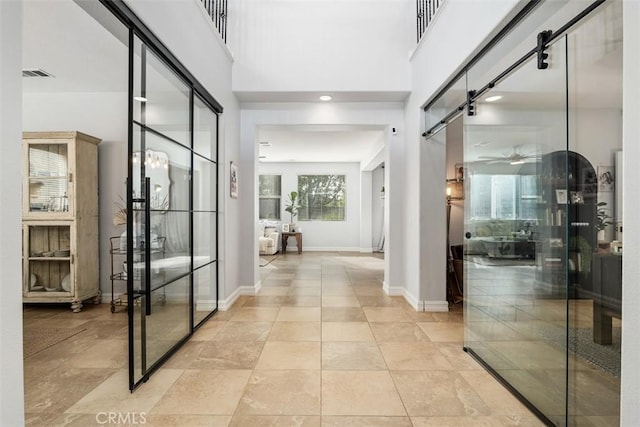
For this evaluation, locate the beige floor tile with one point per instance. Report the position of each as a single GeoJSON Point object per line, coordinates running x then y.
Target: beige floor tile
{"type": "Point", "coordinates": [338, 291]}
{"type": "Point", "coordinates": [208, 331]}
{"type": "Point", "coordinates": [438, 393]}
{"type": "Point", "coordinates": [255, 314]}
{"type": "Point", "coordinates": [157, 420]}
{"type": "Point", "coordinates": [301, 301]}
{"type": "Point", "coordinates": [386, 314]}
{"type": "Point", "coordinates": [378, 301]}
{"type": "Point", "coordinates": [333, 301]}
{"type": "Point", "coordinates": [47, 389]}
{"type": "Point", "coordinates": [360, 393]}
{"type": "Point", "coordinates": [305, 291]}
{"type": "Point", "coordinates": [479, 421]}
{"type": "Point", "coordinates": [295, 331]}
{"type": "Point", "coordinates": [299, 314]}
{"type": "Point", "coordinates": [392, 331]}
{"type": "Point", "coordinates": [413, 356]}
{"type": "Point", "coordinates": [352, 356]}
{"type": "Point", "coordinates": [343, 421]}
{"type": "Point", "coordinates": [113, 396]}
{"type": "Point", "coordinates": [443, 332]}
{"type": "Point", "coordinates": [368, 291]}
{"type": "Point", "coordinates": [312, 282]}
{"type": "Point", "coordinates": [274, 291]}
{"type": "Point", "coordinates": [204, 392]}
{"type": "Point", "coordinates": [289, 355]}
{"type": "Point", "coordinates": [458, 358]}
{"type": "Point", "coordinates": [275, 421]}
{"type": "Point", "coordinates": [494, 394]}
{"type": "Point", "coordinates": [244, 331]}
{"type": "Point", "coordinates": [185, 356]}
{"type": "Point", "coordinates": [264, 301]}
{"type": "Point", "coordinates": [228, 355]}
{"type": "Point", "coordinates": [102, 354]}
{"type": "Point", "coordinates": [287, 392]}
{"type": "Point", "coordinates": [346, 331]}
{"type": "Point", "coordinates": [343, 314]}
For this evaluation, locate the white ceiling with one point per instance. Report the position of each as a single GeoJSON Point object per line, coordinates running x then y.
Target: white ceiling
{"type": "Point", "coordinates": [320, 143]}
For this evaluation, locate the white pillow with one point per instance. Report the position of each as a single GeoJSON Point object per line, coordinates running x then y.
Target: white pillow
{"type": "Point", "coordinates": [268, 230]}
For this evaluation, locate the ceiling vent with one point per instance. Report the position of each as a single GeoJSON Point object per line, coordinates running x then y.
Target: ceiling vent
{"type": "Point", "coordinates": [35, 72]}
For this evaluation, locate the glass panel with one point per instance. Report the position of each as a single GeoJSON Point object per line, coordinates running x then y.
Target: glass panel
{"type": "Point", "coordinates": [516, 257]}
{"type": "Point", "coordinates": [167, 165]}
{"type": "Point", "coordinates": [205, 297]}
{"type": "Point", "coordinates": [204, 240]}
{"type": "Point", "coordinates": [204, 184]}
{"type": "Point", "coordinates": [48, 178]}
{"type": "Point", "coordinates": [161, 99]}
{"type": "Point", "coordinates": [169, 319]}
{"type": "Point", "coordinates": [205, 129]}
{"type": "Point", "coordinates": [448, 102]}
{"type": "Point", "coordinates": [595, 271]}
{"type": "Point", "coordinates": [170, 246]}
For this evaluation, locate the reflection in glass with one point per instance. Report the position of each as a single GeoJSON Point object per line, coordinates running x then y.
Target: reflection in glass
{"type": "Point", "coordinates": [205, 129]}
{"type": "Point", "coordinates": [161, 98]}
{"type": "Point", "coordinates": [515, 280]}
{"type": "Point", "coordinates": [205, 297]}
{"type": "Point", "coordinates": [204, 184]}
{"type": "Point", "coordinates": [204, 241]}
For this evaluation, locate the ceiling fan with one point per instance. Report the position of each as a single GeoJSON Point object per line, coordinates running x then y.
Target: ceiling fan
{"type": "Point", "coordinates": [514, 158]}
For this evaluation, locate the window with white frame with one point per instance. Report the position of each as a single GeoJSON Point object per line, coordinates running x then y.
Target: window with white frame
{"type": "Point", "coordinates": [269, 191]}
{"type": "Point", "coordinates": [322, 197]}
{"type": "Point", "coordinates": [503, 197]}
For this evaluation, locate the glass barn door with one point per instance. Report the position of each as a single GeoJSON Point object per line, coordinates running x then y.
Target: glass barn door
{"type": "Point", "coordinates": [516, 229]}
{"type": "Point", "coordinates": [171, 234]}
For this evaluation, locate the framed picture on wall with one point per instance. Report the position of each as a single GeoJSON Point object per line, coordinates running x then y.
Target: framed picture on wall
{"type": "Point", "coordinates": [605, 178]}
{"type": "Point", "coordinates": [561, 197]}
{"type": "Point", "coordinates": [233, 170]}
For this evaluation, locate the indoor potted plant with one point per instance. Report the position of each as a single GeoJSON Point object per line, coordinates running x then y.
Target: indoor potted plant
{"type": "Point", "coordinates": [292, 207]}
{"type": "Point", "coordinates": [602, 220]}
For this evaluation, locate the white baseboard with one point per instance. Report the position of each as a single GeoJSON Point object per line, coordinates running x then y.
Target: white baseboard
{"type": "Point", "coordinates": [399, 291]}
{"type": "Point", "coordinates": [438, 306]}
{"type": "Point", "coordinates": [225, 304]}
{"type": "Point", "coordinates": [366, 250]}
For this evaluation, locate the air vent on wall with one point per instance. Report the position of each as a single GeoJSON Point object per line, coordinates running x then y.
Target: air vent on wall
{"type": "Point", "coordinates": [35, 72]}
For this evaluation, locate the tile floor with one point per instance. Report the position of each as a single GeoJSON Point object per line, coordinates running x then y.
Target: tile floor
{"type": "Point", "coordinates": [320, 345]}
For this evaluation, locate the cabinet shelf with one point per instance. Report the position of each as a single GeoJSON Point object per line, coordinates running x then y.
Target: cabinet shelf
{"type": "Point", "coordinates": [49, 258]}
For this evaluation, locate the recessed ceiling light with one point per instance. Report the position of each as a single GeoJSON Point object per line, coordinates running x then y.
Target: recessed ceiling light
{"type": "Point", "coordinates": [493, 98]}
{"type": "Point", "coordinates": [140, 98]}
{"type": "Point", "coordinates": [326, 98]}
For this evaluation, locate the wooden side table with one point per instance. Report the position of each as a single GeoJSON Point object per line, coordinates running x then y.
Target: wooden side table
{"type": "Point", "coordinates": [285, 237]}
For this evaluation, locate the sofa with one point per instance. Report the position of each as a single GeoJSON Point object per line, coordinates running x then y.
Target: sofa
{"type": "Point", "coordinates": [268, 238]}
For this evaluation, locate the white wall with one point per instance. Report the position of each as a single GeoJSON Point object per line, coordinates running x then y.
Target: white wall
{"type": "Point", "coordinates": [383, 115]}
{"type": "Point", "coordinates": [444, 48]}
{"type": "Point", "coordinates": [316, 45]}
{"type": "Point", "coordinates": [377, 206]}
{"type": "Point", "coordinates": [630, 385]}
{"type": "Point", "coordinates": [208, 59]}
{"type": "Point", "coordinates": [11, 366]}
{"type": "Point", "coordinates": [103, 115]}
{"type": "Point", "coordinates": [322, 235]}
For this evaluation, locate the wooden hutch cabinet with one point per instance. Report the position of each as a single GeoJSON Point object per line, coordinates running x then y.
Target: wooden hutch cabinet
{"type": "Point", "coordinates": [60, 218]}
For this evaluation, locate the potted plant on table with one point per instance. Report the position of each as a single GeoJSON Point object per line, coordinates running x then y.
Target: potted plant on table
{"type": "Point", "coordinates": [292, 207]}
{"type": "Point", "coordinates": [602, 220]}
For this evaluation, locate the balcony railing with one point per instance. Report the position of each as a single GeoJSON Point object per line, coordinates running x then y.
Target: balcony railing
{"type": "Point", "coordinates": [217, 11]}
{"type": "Point", "coordinates": [426, 10]}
